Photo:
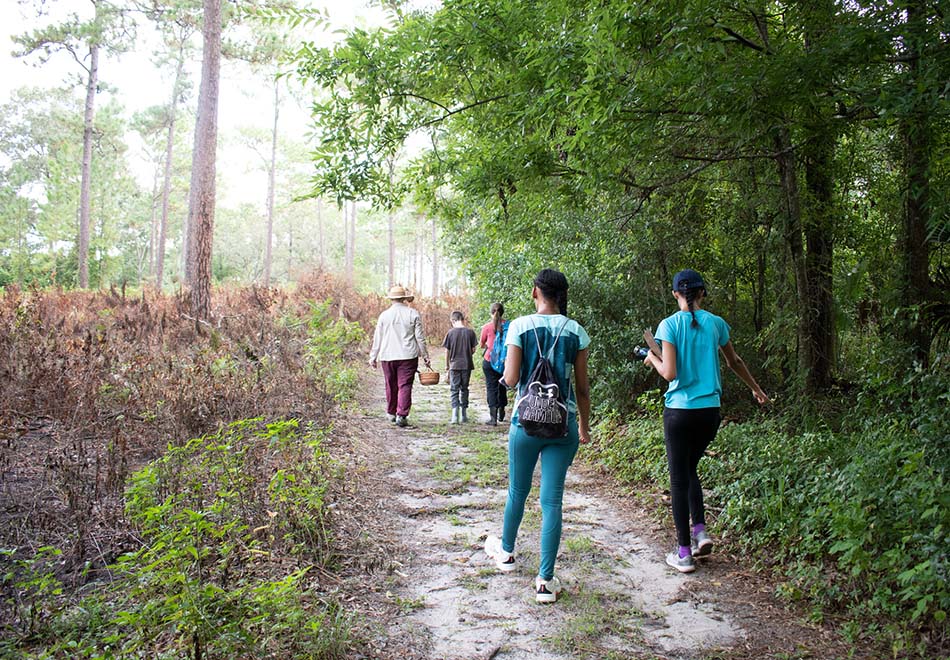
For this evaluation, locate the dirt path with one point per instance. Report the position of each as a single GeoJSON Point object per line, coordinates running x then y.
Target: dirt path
{"type": "Point", "coordinates": [442, 489]}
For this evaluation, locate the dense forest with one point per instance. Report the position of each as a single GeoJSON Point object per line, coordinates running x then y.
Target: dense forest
{"type": "Point", "coordinates": [174, 367]}
{"type": "Point", "coordinates": [797, 154]}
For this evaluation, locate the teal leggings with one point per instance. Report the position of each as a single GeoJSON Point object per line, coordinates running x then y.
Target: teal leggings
{"type": "Point", "coordinates": [556, 456]}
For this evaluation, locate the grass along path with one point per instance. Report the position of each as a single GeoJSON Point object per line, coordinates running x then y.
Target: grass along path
{"type": "Point", "coordinates": [447, 487]}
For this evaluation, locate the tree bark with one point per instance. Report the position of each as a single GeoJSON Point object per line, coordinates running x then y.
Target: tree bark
{"type": "Point", "coordinates": [153, 225]}
{"type": "Point", "coordinates": [435, 260]}
{"type": "Point", "coordinates": [350, 243]}
{"type": "Point", "coordinates": [268, 254]}
{"type": "Point", "coordinates": [89, 117]}
{"type": "Point", "coordinates": [392, 248]}
{"type": "Point", "coordinates": [201, 204]}
{"type": "Point", "coordinates": [915, 136]}
{"type": "Point", "coordinates": [792, 231]}
{"type": "Point", "coordinates": [818, 220]}
{"type": "Point", "coordinates": [819, 227]}
{"type": "Point", "coordinates": [323, 263]}
{"type": "Point", "coordinates": [167, 183]}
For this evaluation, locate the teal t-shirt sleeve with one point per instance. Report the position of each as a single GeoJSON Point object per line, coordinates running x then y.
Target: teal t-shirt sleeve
{"type": "Point", "coordinates": [664, 332]}
{"type": "Point", "coordinates": [723, 331]}
{"type": "Point", "coordinates": [582, 337]}
{"type": "Point", "coordinates": [513, 338]}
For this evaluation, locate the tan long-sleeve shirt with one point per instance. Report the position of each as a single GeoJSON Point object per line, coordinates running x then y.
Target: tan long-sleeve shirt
{"type": "Point", "coordinates": [398, 335]}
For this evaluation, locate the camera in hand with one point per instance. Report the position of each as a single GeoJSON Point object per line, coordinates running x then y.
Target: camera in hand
{"type": "Point", "coordinates": [640, 353]}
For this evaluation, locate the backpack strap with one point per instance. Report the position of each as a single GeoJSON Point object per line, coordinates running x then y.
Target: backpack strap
{"type": "Point", "coordinates": [556, 337]}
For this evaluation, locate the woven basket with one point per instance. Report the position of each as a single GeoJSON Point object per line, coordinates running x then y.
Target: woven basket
{"type": "Point", "coordinates": [429, 377]}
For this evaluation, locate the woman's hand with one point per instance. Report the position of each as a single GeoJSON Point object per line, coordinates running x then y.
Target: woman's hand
{"type": "Point", "coordinates": [583, 436]}
{"type": "Point", "coordinates": [761, 396]}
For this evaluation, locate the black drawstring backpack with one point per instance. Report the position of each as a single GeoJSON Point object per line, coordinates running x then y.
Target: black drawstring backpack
{"type": "Point", "coordinates": [542, 409]}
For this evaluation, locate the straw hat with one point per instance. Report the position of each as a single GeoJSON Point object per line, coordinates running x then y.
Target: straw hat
{"type": "Point", "coordinates": [400, 293]}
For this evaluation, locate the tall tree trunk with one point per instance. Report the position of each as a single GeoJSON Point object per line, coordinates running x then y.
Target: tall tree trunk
{"type": "Point", "coordinates": [89, 117]}
{"type": "Point", "coordinates": [392, 247]}
{"type": "Point", "coordinates": [792, 231]}
{"type": "Point", "coordinates": [323, 263]}
{"type": "Point", "coordinates": [268, 255]}
{"type": "Point", "coordinates": [153, 225]}
{"type": "Point", "coordinates": [819, 228]}
{"type": "Point", "coordinates": [416, 254]}
{"type": "Point", "coordinates": [201, 204]}
{"type": "Point", "coordinates": [351, 243]}
{"type": "Point", "coordinates": [818, 220]}
{"type": "Point", "coordinates": [914, 130]}
{"type": "Point", "coordinates": [435, 260]}
{"type": "Point", "coordinates": [167, 183]}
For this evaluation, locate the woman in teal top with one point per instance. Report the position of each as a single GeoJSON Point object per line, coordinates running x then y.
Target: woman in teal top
{"type": "Point", "coordinates": [691, 341]}
{"type": "Point", "coordinates": [565, 344]}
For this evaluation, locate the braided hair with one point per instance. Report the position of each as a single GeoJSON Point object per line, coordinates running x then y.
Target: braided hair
{"type": "Point", "coordinates": [690, 295]}
{"type": "Point", "coordinates": [688, 283]}
{"type": "Point", "coordinates": [497, 312]}
{"type": "Point", "coordinates": [553, 286]}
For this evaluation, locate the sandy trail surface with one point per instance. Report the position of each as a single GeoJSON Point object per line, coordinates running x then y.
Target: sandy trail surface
{"type": "Point", "coordinates": [442, 489]}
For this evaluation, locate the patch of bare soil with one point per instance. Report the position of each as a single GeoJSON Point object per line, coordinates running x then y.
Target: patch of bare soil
{"type": "Point", "coordinates": [425, 497]}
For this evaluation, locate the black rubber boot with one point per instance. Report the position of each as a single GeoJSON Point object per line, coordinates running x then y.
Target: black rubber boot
{"type": "Point", "coordinates": [493, 417]}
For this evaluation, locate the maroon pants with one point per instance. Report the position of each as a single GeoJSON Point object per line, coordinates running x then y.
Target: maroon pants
{"type": "Point", "coordinates": [399, 375]}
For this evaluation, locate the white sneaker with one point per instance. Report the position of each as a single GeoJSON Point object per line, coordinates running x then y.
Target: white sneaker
{"type": "Point", "coordinates": [505, 561]}
{"type": "Point", "coordinates": [683, 564]}
{"type": "Point", "coordinates": [547, 589]}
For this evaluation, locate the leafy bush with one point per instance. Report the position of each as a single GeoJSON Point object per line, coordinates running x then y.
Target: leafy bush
{"type": "Point", "coordinates": [857, 518]}
{"type": "Point", "coordinates": [218, 517]}
{"type": "Point", "coordinates": [330, 347]}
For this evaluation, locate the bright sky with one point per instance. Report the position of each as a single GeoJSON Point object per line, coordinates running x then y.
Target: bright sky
{"type": "Point", "coordinates": [245, 101]}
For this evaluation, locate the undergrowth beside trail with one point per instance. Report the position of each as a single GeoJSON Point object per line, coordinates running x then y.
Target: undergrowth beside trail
{"type": "Point", "coordinates": [233, 531]}
{"type": "Point", "coordinates": [169, 485]}
{"type": "Point", "coordinates": [855, 520]}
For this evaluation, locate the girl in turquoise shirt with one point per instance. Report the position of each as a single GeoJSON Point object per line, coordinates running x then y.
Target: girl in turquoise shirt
{"type": "Point", "coordinates": [565, 343]}
{"type": "Point", "coordinates": [691, 341]}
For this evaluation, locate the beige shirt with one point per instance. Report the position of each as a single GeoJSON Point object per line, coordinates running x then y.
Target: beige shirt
{"type": "Point", "coordinates": [398, 335]}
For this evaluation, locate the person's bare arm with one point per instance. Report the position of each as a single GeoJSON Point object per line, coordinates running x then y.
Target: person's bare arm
{"type": "Point", "coordinates": [664, 364]}
{"type": "Point", "coordinates": [737, 364]}
{"type": "Point", "coordinates": [513, 365]}
{"type": "Point", "coordinates": [582, 389]}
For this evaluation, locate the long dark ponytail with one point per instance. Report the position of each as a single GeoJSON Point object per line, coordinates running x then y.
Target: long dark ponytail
{"type": "Point", "coordinates": [497, 313]}
{"type": "Point", "coordinates": [553, 286]}
{"type": "Point", "coordinates": [690, 295]}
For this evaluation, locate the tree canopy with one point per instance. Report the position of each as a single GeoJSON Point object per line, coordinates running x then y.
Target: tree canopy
{"type": "Point", "coordinates": [765, 144]}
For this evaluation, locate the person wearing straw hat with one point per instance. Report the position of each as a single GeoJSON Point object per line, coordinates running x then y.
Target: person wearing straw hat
{"type": "Point", "coordinates": [398, 343]}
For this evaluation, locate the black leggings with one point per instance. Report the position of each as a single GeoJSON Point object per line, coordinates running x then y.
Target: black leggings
{"type": "Point", "coordinates": [497, 395]}
{"type": "Point", "coordinates": [687, 432]}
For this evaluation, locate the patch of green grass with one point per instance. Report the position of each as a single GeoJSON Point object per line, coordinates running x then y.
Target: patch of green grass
{"type": "Point", "coordinates": [408, 604]}
{"type": "Point", "coordinates": [532, 519]}
{"type": "Point", "coordinates": [474, 459]}
{"type": "Point", "coordinates": [579, 544]}
{"type": "Point", "coordinates": [594, 615]}
{"type": "Point", "coordinates": [474, 582]}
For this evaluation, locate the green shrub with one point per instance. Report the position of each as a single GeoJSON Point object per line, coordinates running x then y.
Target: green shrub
{"type": "Point", "coordinates": [217, 517]}
{"type": "Point", "coordinates": [858, 519]}
{"type": "Point", "coordinates": [330, 345]}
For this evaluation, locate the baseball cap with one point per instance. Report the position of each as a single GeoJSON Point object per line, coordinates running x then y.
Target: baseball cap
{"type": "Point", "coordinates": [688, 279]}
